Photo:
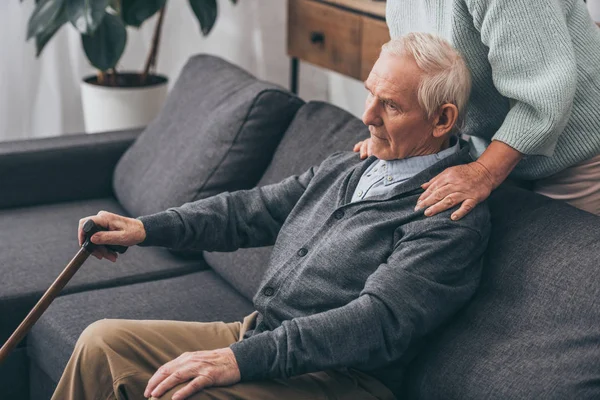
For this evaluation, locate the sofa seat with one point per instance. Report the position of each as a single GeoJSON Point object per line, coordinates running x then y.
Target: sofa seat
{"type": "Point", "coordinates": [37, 243]}
{"type": "Point", "coordinates": [201, 296]}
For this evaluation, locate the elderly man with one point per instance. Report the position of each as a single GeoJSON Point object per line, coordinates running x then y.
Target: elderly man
{"type": "Point", "coordinates": [357, 277]}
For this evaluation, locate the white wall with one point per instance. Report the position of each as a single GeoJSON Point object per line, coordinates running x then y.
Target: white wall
{"type": "Point", "coordinates": [40, 97]}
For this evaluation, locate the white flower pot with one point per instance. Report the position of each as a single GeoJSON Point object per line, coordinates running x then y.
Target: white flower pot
{"type": "Point", "coordinates": [594, 8]}
{"type": "Point", "coordinates": [108, 108]}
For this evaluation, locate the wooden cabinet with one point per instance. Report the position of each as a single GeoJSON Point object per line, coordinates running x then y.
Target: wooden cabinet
{"type": "Point", "coordinates": [341, 35]}
{"type": "Point", "coordinates": [325, 36]}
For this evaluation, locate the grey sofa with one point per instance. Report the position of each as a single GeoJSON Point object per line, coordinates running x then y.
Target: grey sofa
{"type": "Point", "coordinates": [531, 331]}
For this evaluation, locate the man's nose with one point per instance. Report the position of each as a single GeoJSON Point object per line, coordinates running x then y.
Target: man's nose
{"type": "Point", "coordinates": [371, 114]}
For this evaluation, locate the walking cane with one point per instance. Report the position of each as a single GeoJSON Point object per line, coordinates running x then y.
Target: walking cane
{"type": "Point", "coordinates": [89, 228]}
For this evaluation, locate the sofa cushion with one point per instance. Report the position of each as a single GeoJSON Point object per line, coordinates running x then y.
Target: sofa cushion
{"type": "Point", "coordinates": [201, 296]}
{"type": "Point", "coordinates": [532, 330]}
{"type": "Point", "coordinates": [217, 131]}
{"type": "Point", "coordinates": [318, 130]}
{"type": "Point", "coordinates": [38, 242]}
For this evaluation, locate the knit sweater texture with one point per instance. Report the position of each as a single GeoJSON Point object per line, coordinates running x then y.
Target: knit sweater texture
{"type": "Point", "coordinates": [349, 284]}
{"type": "Point", "coordinates": [535, 66]}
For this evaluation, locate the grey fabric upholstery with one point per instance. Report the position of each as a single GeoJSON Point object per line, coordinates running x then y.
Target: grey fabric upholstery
{"type": "Point", "coordinates": [201, 296]}
{"type": "Point", "coordinates": [41, 387]}
{"type": "Point", "coordinates": [61, 168]}
{"type": "Point", "coordinates": [216, 132]}
{"type": "Point", "coordinates": [532, 330]}
{"type": "Point", "coordinates": [318, 130]}
{"type": "Point", "coordinates": [14, 384]}
{"type": "Point", "coordinates": [37, 243]}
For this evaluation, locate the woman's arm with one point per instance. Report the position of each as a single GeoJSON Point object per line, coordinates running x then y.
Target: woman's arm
{"type": "Point", "coordinates": [533, 65]}
{"type": "Point", "coordinates": [469, 184]}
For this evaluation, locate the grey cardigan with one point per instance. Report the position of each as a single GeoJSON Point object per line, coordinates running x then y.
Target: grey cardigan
{"type": "Point", "coordinates": [349, 285]}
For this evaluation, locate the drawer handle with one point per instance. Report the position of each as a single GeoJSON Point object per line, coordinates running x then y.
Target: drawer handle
{"type": "Point", "coordinates": [317, 37]}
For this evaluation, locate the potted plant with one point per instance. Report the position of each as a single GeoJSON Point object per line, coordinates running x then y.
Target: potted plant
{"type": "Point", "coordinates": [114, 99]}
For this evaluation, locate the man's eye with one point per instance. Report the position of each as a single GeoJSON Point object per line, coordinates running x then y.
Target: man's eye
{"type": "Point", "coordinates": [391, 106]}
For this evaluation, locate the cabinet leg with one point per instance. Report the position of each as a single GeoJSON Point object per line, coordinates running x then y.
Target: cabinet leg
{"type": "Point", "coordinates": [294, 65]}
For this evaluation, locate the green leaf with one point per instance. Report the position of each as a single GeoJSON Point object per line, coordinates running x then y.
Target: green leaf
{"type": "Point", "coordinates": [105, 46]}
{"type": "Point", "coordinates": [43, 38]}
{"type": "Point", "coordinates": [135, 12]}
{"type": "Point", "coordinates": [86, 15]}
{"type": "Point", "coordinates": [206, 13]}
{"type": "Point", "coordinates": [45, 12]}
{"type": "Point", "coordinates": [115, 5]}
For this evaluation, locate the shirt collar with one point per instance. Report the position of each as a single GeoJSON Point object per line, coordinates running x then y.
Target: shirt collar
{"type": "Point", "coordinates": [401, 169]}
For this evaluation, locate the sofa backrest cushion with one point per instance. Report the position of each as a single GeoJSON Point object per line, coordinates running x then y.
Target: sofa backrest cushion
{"type": "Point", "coordinates": [217, 131]}
{"type": "Point", "coordinates": [532, 331]}
{"type": "Point", "coordinates": [318, 130]}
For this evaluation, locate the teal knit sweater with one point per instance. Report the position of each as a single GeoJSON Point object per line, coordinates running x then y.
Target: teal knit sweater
{"type": "Point", "coordinates": [535, 66]}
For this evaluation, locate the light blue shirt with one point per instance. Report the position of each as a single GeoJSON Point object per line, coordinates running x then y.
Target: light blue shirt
{"type": "Point", "coordinates": [383, 175]}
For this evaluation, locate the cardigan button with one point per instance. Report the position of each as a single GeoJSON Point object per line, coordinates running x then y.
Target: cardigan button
{"type": "Point", "coordinates": [268, 291]}
{"type": "Point", "coordinates": [302, 252]}
{"type": "Point", "coordinates": [339, 214]}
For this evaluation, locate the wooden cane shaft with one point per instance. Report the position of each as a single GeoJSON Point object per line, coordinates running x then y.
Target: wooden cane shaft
{"type": "Point", "coordinates": [43, 303]}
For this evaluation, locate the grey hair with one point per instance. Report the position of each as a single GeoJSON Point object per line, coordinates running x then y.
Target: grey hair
{"type": "Point", "coordinates": [446, 76]}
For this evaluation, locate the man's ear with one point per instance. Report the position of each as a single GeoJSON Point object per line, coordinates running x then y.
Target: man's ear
{"type": "Point", "coordinates": [445, 120]}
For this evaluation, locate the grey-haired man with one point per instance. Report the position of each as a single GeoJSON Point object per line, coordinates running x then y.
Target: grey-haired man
{"type": "Point", "coordinates": [357, 276]}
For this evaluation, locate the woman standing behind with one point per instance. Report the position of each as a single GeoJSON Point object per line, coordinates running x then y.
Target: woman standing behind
{"type": "Point", "coordinates": [534, 110]}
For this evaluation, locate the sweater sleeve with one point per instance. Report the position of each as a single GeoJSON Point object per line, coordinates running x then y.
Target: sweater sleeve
{"type": "Point", "coordinates": [227, 221]}
{"type": "Point", "coordinates": [429, 276]}
{"type": "Point", "coordinates": [533, 64]}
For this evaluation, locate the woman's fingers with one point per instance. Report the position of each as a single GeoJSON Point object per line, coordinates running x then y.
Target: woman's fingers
{"type": "Point", "coordinates": [433, 184]}
{"type": "Point", "coordinates": [444, 204]}
{"type": "Point", "coordinates": [364, 149]}
{"type": "Point", "coordinates": [435, 193]}
{"type": "Point", "coordinates": [464, 185]}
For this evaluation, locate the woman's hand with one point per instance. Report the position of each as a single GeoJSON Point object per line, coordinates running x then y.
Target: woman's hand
{"type": "Point", "coordinates": [364, 148]}
{"type": "Point", "coordinates": [468, 184]}
{"type": "Point", "coordinates": [203, 368]}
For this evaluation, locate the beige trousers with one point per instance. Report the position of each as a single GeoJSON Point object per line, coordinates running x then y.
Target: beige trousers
{"type": "Point", "coordinates": [578, 185]}
{"type": "Point", "coordinates": [114, 359]}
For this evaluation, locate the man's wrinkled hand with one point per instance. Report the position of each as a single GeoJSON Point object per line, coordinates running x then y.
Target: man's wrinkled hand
{"type": "Point", "coordinates": [467, 185]}
{"type": "Point", "coordinates": [364, 148]}
{"type": "Point", "coordinates": [203, 368]}
{"type": "Point", "coordinates": [122, 231]}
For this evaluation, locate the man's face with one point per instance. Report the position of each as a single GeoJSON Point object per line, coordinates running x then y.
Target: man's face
{"type": "Point", "coordinates": [399, 127]}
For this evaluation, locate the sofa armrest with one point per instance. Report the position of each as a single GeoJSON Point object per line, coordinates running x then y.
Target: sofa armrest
{"type": "Point", "coordinates": [61, 168]}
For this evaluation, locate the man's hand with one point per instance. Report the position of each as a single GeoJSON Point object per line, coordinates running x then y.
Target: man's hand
{"type": "Point", "coordinates": [468, 184]}
{"type": "Point", "coordinates": [122, 231]}
{"type": "Point", "coordinates": [203, 368]}
{"type": "Point", "coordinates": [364, 148]}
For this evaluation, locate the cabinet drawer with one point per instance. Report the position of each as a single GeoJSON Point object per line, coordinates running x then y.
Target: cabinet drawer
{"type": "Point", "coordinates": [374, 35]}
{"type": "Point", "coordinates": [325, 36]}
